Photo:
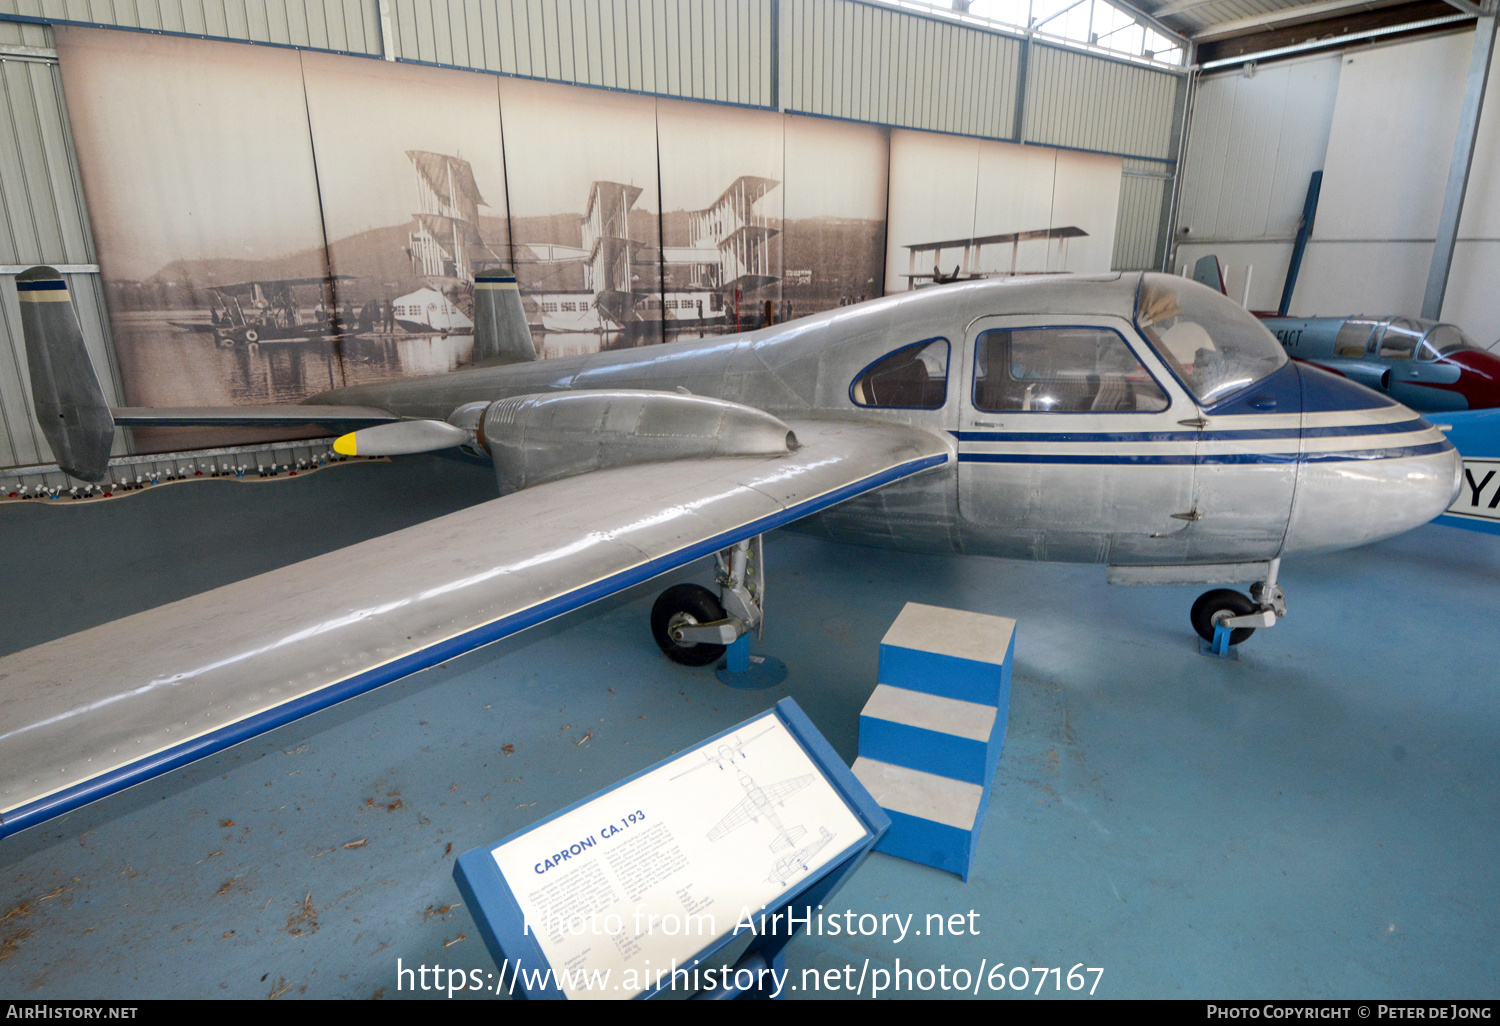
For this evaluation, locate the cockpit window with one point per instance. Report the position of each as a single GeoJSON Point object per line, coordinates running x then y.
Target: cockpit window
{"type": "Point", "coordinates": [1061, 370]}
{"type": "Point", "coordinates": [1213, 344]}
{"type": "Point", "coordinates": [1443, 339]}
{"type": "Point", "coordinates": [914, 377]}
{"type": "Point", "coordinates": [1399, 338]}
{"type": "Point", "coordinates": [1354, 337]}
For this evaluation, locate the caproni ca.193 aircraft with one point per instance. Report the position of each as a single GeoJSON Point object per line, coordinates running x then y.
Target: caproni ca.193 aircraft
{"type": "Point", "coordinates": [1140, 421]}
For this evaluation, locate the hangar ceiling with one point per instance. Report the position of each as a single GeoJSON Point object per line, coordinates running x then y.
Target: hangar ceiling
{"type": "Point", "coordinates": [1226, 29]}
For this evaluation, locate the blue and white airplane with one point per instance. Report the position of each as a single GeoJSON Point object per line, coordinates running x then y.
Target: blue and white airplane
{"type": "Point", "coordinates": [1140, 421]}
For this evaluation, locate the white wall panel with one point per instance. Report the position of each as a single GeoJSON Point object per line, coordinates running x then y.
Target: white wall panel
{"type": "Point", "coordinates": [351, 26]}
{"type": "Point", "coordinates": [1254, 144]}
{"type": "Point", "coordinates": [1265, 264]}
{"type": "Point", "coordinates": [1473, 301]}
{"type": "Point", "coordinates": [1392, 139]}
{"type": "Point", "coordinates": [1348, 278]}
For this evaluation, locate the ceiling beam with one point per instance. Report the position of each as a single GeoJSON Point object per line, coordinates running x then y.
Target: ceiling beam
{"type": "Point", "coordinates": [1304, 12]}
{"type": "Point", "coordinates": [1396, 21]}
{"type": "Point", "coordinates": [1166, 10]}
{"type": "Point", "coordinates": [1465, 6]}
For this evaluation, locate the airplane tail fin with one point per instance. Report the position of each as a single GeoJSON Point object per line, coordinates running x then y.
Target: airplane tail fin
{"type": "Point", "coordinates": [1207, 271]}
{"type": "Point", "coordinates": [501, 334]}
{"type": "Point", "coordinates": [70, 404]}
{"type": "Point", "coordinates": [788, 838]}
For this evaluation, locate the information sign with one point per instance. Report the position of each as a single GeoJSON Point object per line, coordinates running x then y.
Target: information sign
{"type": "Point", "coordinates": [650, 877]}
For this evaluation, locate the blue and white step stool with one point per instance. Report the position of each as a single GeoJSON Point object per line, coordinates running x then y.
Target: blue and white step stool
{"type": "Point", "coordinates": [931, 735]}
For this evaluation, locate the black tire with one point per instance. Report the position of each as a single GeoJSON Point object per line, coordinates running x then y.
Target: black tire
{"type": "Point", "coordinates": [1220, 604]}
{"type": "Point", "coordinates": [693, 604]}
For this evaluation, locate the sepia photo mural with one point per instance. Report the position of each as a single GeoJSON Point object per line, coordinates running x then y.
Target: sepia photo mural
{"type": "Point", "coordinates": [198, 170]}
{"type": "Point", "coordinates": [964, 208]}
{"type": "Point", "coordinates": [584, 215]}
{"type": "Point", "coordinates": [412, 180]}
{"type": "Point", "coordinates": [272, 223]}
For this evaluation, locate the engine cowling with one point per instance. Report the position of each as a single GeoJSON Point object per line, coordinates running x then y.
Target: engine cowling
{"type": "Point", "coordinates": [538, 438]}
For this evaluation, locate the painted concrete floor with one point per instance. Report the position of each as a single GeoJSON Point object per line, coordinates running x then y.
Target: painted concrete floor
{"type": "Point", "coordinates": [1319, 819]}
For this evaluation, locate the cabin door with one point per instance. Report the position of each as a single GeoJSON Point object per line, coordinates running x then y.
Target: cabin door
{"type": "Point", "coordinates": [1069, 443]}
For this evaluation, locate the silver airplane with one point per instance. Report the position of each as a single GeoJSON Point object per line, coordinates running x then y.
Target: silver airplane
{"type": "Point", "coordinates": [1141, 421]}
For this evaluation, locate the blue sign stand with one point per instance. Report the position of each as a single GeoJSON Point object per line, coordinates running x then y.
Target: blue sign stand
{"type": "Point", "coordinates": [517, 952]}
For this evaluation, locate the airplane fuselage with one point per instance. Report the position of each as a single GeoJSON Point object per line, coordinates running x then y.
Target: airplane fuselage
{"type": "Point", "coordinates": [1299, 461]}
{"type": "Point", "coordinates": [1431, 367]}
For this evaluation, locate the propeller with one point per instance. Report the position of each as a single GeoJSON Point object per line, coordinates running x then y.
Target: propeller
{"type": "Point", "coordinates": [401, 438]}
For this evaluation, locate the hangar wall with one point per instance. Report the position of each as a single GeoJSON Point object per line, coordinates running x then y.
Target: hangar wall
{"type": "Point", "coordinates": [843, 59]}
{"type": "Point", "coordinates": [1380, 123]}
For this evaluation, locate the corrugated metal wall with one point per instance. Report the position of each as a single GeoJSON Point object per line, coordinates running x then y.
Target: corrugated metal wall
{"type": "Point", "coordinates": [13, 33]}
{"type": "Point", "coordinates": [42, 221]}
{"type": "Point", "coordinates": [350, 26]}
{"type": "Point", "coordinates": [700, 49]}
{"type": "Point", "coordinates": [1143, 189]}
{"type": "Point", "coordinates": [867, 63]}
{"type": "Point", "coordinates": [1092, 103]}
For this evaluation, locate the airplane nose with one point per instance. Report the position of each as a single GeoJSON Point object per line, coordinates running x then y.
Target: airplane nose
{"type": "Point", "coordinates": [1478, 378]}
{"type": "Point", "coordinates": [1369, 468]}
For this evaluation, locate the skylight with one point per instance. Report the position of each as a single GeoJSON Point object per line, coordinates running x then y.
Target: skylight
{"type": "Point", "coordinates": [1093, 23]}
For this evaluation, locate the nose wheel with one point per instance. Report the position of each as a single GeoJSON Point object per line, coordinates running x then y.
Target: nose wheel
{"type": "Point", "coordinates": [1238, 613]}
{"type": "Point", "coordinates": [1219, 607]}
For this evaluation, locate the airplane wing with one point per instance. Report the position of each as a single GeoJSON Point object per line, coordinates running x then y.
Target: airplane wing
{"type": "Point", "coordinates": [778, 792]}
{"type": "Point", "coordinates": [737, 817]}
{"type": "Point", "coordinates": [91, 714]}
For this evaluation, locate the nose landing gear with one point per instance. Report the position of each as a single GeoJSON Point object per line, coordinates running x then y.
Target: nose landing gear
{"type": "Point", "coordinates": [1238, 613]}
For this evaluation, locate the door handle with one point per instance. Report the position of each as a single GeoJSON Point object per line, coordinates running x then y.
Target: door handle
{"type": "Point", "coordinates": [1191, 514]}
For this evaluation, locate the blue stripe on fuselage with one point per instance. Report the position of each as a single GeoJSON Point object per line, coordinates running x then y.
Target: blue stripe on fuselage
{"type": "Point", "coordinates": [1228, 435]}
{"type": "Point", "coordinates": [1208, 459]}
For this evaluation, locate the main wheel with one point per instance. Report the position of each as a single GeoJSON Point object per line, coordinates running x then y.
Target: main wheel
{"type": "Point", "coordinates": [1216, 606]}
{"type": "Point", "coordinates": [685, 605]}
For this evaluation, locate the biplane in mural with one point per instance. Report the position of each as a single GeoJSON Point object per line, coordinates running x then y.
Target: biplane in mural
{"type": "Point", "coordinates": [273, 310]}
{"type": "Point", "coordinates": [973, 265]}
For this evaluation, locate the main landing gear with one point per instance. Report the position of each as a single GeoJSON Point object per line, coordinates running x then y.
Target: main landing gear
{"type": "Point", "coordinates": [694, 627]}
{"type": "Point", "coordinates": [1238, 613]}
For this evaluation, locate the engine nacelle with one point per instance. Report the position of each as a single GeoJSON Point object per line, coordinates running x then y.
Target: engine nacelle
{"type": "Point", "coordinates": [538, 438]}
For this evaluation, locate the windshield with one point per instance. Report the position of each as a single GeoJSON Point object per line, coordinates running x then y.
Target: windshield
{"type": "Point", "coordinates": [1443, 339]}
{"type": "Point", "coordinates": [1214, 345]}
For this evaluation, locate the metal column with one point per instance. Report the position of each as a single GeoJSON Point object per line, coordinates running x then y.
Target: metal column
{"type": "Point", "coordinates": [1463, 157]}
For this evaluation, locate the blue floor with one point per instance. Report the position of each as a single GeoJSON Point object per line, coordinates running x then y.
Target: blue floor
{"type": "Point", "coordinates": [1319, 819]}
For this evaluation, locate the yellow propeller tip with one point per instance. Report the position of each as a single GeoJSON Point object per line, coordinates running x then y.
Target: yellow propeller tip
{"type": "Point", "coordinates": [344, 445]}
